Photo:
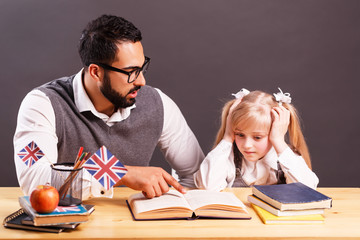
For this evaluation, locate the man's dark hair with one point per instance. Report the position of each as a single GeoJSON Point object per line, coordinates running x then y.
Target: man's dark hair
{"type": "Point", "coordinates": [99, 38]}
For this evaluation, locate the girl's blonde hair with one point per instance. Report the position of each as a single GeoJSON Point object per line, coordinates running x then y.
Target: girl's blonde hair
{"type": "Point", "coordinates": [254, 110]}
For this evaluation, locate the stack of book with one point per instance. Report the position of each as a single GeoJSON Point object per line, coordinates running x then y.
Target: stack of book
{"type": "Point", "coordinates": [62, 218]}
{"type": "Point", "coordinates": [293, 203]}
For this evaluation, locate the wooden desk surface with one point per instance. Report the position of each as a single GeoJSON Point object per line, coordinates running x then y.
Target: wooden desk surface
{"type": "Point", "coordinates": [112, 220]}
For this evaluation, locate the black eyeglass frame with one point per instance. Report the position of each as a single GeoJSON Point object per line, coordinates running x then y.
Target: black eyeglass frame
{"type": "Point", "coordinates": [137, 71]}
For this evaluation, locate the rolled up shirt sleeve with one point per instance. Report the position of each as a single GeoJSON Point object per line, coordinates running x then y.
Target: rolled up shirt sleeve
{"type": "Point", "coordinates": [296, 169]}
{"type": "Point", "coordinates": [36, 122]}
{"type": "Point", "coordinates": [178, 143]}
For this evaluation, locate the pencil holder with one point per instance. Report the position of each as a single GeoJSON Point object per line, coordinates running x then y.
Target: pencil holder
{"type": "Point", "coordinates": [68, 182]}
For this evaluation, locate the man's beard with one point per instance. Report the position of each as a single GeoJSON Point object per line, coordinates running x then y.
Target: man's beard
{"type": "Point", "coordinates": [114, 97]}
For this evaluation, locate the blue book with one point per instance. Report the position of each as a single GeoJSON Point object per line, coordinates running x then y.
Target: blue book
{"type": "Point", "coordinates": [292, 196]}
{"type": "Point", "coordinates": [264, 205]}
{"type": "Point", "coordinates": [61, 214]}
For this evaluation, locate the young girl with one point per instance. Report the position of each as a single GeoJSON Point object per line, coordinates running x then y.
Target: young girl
{"type": "Point", "coordinates": [251, 146]}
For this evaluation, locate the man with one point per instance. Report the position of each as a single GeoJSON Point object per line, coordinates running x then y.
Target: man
{"type": "Point", "coordinates": [107, 103]}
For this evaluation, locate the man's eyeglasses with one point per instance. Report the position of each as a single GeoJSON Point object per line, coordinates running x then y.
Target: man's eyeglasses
{"type": "Point", "coordinates": [133, 74]}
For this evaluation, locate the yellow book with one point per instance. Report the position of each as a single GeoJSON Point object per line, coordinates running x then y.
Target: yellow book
{"type": "Point", "coordinates": [269, 218]}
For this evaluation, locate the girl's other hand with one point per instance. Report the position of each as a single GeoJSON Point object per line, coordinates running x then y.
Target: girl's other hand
{"type": "Point", "coordinates": [280, 124]}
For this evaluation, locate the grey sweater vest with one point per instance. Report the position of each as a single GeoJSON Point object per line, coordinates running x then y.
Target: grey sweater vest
{"type": "Point", "coordinates": [132, 140]}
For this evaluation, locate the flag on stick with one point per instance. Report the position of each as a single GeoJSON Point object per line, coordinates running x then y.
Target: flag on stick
{"type": "Point", "coordinates": [105, 167]}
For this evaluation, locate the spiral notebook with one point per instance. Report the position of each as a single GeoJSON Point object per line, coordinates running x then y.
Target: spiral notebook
{"type": "Point", "coordinates": [14, 220]}
{"type": "Point", "coordinates": [21, 220]}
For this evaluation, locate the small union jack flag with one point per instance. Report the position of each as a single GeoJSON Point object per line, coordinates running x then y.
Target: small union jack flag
{"type": "Point", "coordinates": [30, 154]}
{"type": "Point", "coordinates": [67, 209]}
{"type": "Point", "coordinates": [105, 167]}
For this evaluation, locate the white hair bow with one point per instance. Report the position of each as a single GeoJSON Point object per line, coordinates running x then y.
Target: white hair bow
{"type": "Point", "coordinates": [282, 97]}
{"type": "Point", "coordinates": [240, 94]}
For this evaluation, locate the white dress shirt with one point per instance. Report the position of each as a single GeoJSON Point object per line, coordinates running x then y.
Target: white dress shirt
{"type": "Point", "coordinates": [217, 171]}
{"type": "Point", "coordinates": [36, 122]}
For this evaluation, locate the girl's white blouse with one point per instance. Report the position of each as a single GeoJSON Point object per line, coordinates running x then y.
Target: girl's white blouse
{"type": "Point", "coordinates": [217, 171]}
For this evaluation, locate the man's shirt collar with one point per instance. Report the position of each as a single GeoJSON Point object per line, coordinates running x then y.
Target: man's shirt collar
{"type": "Point", "coordinates": [83, 103]}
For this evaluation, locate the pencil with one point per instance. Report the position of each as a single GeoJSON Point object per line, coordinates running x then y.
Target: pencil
{"type": "Point", "coordinates": [80, 159]}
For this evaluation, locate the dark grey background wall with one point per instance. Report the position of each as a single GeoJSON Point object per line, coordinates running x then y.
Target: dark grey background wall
{"type": "Point", "coordinates": [202, 51]}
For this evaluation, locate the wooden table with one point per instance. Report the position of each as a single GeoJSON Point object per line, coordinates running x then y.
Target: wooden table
{"type": "Point", "coordinates": [112, 220]}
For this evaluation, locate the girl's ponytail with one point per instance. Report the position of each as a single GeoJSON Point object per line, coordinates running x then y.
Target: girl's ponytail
{"type": "Point", "coordinates": [296, 137]}
{"type": "Point", "coordinates": [224, 114]}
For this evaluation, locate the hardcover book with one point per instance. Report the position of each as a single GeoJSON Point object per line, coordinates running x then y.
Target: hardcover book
{"type": "Point", "coordinates": [268, 218]}
{"type": "Point", "coordinates": [258, 202]}
{"type": "Point", "coordinates": [90, 208]}
{"type": "Point", "coordinates": [292, 196]}
{"type": "Point", "coordinates": [192, 205]}
{"type": "Point", "coordinates": [61, 215]}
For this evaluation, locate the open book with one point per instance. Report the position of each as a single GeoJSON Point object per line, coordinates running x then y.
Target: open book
{"type": "Point", "coordinates": [192, 205]}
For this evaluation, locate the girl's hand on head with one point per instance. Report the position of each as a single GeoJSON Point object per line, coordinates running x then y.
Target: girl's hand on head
{"type": "Point", "coordinates": [279, 127]}
{"type": "Point", "coordinates": [229, 133]}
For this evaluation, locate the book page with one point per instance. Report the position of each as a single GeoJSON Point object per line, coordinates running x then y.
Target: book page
{"type": "Point", "coordinates": [170, 199]}
{"type": "Point", "coordinates": [200, 198]}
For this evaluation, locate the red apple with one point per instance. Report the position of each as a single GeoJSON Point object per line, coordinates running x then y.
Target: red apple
{"type": "Point", "coordinates": [44, 199]}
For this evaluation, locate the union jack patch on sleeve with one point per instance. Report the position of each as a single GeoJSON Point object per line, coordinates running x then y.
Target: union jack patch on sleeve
{"type": "Point", "coordinates": [30, 154]}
